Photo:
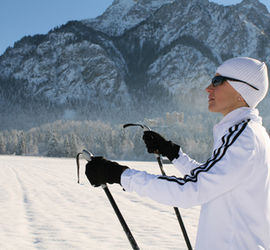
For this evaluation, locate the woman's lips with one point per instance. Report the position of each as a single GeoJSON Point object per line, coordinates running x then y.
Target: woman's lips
{"type": "Point", "coordinates": [210, 99]}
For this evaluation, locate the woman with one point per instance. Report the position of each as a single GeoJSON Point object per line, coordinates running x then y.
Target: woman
{"type": "Point", "coordinates": [233, 185]}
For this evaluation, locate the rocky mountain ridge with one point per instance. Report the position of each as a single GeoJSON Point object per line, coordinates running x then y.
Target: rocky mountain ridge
{"type": "Point", "coordinates": [155, 54]}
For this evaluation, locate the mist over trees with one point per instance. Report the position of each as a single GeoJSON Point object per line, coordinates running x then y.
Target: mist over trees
{"type": "Point", "coordinates": [65, 138]}
{"type": "Point", "coordinates": [51, 131]}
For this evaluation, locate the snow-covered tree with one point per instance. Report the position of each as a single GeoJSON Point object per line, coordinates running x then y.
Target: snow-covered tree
{"type": "Point", "coordinates": [53, 146]}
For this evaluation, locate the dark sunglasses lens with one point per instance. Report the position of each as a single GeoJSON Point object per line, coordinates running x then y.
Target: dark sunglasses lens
{"type": "Point", "coordinates": [217, 80]}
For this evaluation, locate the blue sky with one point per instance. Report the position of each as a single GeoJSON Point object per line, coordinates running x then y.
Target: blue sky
{"type": "Point", "coordinates": [19, 18]}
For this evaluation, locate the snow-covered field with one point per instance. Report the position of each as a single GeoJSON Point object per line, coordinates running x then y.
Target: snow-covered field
{"type": "Point", "coordinates": [43, 207]}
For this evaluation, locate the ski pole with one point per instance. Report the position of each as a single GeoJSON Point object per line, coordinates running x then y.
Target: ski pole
{"type": "Point", "coordinates": [159, 160]}
{"type": "Point", "coordinates": [176, 210]}
{"type": "Point", "coordinates": [88, 156]}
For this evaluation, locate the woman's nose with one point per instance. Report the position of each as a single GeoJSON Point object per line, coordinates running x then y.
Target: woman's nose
{"type": "Point", "coordinates": [209, 88]}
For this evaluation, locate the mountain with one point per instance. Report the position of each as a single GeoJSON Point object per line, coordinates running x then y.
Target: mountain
{"type": "Point", "coordinates": [139, 58]}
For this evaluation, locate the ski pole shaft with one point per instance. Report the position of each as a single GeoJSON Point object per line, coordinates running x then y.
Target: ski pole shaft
{"type": "Point", "coordinates": [120, 218]}
{"type": "Point", "coordinates": [181, 223]}
{"type": "Point", "coordinates": [176, 210]}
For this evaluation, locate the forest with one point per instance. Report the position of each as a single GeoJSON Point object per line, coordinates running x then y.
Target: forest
{"type": "Point", "coordinates": [65, 138]}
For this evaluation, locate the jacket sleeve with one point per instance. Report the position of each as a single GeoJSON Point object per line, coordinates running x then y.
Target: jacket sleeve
{"type": "Point", "coordinates": [229, 165]}
{"type": "Point", "coordinates": [184, 163]}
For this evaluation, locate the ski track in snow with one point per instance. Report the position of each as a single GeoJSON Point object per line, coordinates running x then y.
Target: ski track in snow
{"type": "Point", "coordinates": [43, 207]}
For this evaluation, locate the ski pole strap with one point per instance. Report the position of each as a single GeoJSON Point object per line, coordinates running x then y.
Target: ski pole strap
{"type": "Point", "coordinates": [78, 167]}
{"type": "Point", "coordinates": [87, 156]}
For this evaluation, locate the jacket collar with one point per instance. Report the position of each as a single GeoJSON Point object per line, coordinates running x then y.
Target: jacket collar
{"type": "Point", "coordinates": [235, 117]}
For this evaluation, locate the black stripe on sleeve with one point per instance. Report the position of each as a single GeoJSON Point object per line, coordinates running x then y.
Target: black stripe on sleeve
{"type": "Point", "coordinates": [227, 140]}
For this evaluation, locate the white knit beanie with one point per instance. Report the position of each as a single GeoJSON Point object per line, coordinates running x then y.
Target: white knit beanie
{"type": "Point", "coordinates": [251, 71]}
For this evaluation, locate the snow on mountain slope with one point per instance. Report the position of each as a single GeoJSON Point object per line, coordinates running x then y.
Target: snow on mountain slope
{"type": "Point", "coordinates": [63, 69]}
{"type": "Point", "coordinates": [43, 207]}
{"type": "Point", "coordinates": [125, 14]}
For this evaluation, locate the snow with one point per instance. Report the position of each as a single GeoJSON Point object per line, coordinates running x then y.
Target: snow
{"type": "Point", "coordinates": [124, 14]}
{"type": "Point", "coordinates": [43, 207]}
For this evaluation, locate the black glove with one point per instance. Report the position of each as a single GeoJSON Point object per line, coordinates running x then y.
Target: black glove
{"type": "Point", "coordinates": [100, 171]}
{"type": "Point", "coordinates": [155, 143]}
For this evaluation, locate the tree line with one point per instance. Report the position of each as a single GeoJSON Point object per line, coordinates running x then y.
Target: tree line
{"type": "Point", "coordinates": [65, 138]}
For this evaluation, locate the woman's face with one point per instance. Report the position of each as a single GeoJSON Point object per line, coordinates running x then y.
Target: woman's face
{"type": "Point", "coordinates": [223, 98]}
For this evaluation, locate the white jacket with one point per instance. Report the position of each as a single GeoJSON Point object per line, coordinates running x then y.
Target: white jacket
{"type": "Point", "coordinates": [232, 186]}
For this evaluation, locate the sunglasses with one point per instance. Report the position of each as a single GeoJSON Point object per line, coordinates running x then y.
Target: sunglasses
{"type": "Point", "coordinates": [218, 80]}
